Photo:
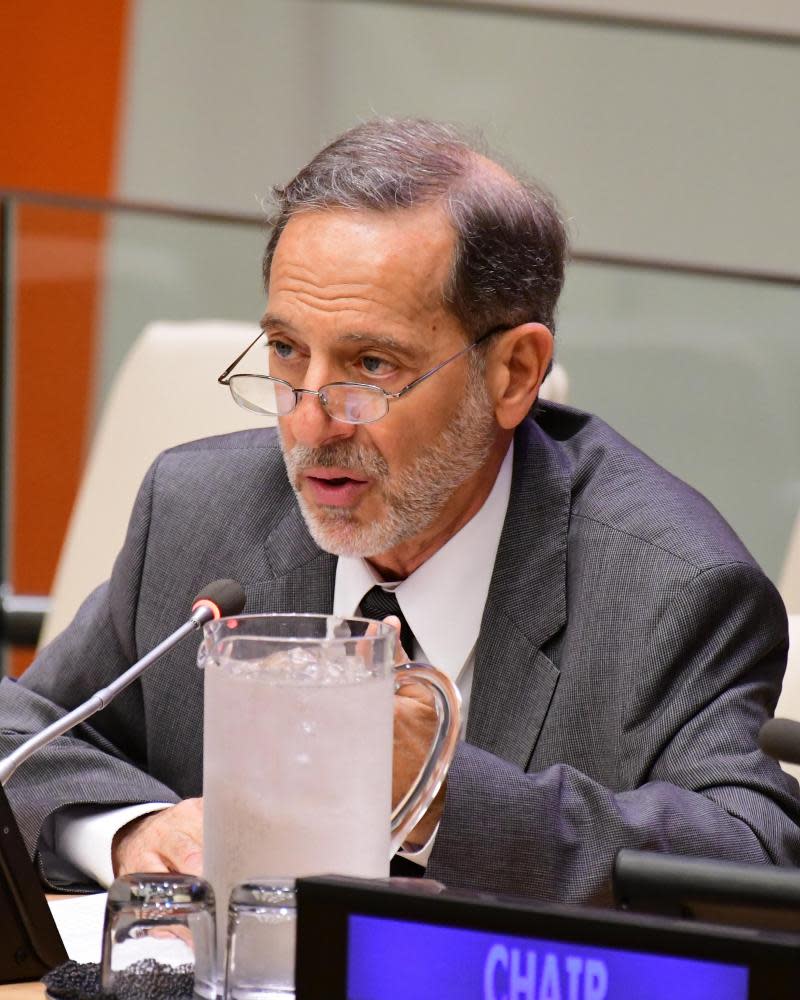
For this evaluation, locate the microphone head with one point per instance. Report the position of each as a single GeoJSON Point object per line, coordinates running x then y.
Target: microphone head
{"type": "Point", "coordinates": [221, 598]}
{"type": "Point", "coordinates": [780, 738]}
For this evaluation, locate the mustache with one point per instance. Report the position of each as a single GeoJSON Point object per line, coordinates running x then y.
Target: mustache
{"type": "Point", "coordinates": [339, 454]}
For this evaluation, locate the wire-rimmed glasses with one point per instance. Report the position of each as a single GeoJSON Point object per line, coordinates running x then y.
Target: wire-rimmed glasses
{"type": "Point", "coordinates": [348, 402]}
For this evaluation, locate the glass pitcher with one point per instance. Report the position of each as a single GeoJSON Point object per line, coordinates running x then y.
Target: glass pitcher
{"type": "Point", "coordinates": [297, 759]}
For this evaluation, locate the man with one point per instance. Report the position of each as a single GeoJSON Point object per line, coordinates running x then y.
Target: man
{"type": "Point", "coordinates": [616, 646]}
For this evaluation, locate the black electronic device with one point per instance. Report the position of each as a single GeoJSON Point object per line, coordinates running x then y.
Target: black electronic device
{"type": "Point", "coordinates": [726, 892]}
{"type": "Point", "coordinates": [30, 944]}
{"type": "Point", "coordinates": [362, 940]}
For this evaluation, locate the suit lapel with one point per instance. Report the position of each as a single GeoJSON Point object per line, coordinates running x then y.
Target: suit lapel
{"type": "Point", "coordinates": [303, 576]}
{"type": "Point", "coordinates": [514, 680]}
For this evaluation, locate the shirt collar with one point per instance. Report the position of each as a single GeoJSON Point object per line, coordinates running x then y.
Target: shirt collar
{"type": "Point", "coordinates": [443, 600]}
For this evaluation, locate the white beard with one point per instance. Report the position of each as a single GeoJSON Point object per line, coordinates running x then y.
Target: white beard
{"type": "Point", "coordinates": [415, 497]}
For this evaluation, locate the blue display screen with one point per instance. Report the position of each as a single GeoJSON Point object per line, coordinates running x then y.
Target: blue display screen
{"type": "Point", "coordinates": [399, 960]}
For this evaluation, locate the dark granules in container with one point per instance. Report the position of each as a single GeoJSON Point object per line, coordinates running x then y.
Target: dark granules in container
{"type": "Point", "coordinates": [145, 980]}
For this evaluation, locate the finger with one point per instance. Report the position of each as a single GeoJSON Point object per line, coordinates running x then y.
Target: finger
{"type": "Point", "coordinates": [188, 861]}
{"type": "Point", "coordinates": [142, 861]}
{"type": "Point", "coordinates": [193, 863]}
{"type": "Point", "coordinates": [364, 649]}
{"type": "Point", "coordinates": [182, 850]}
{"type": "Point", "coordinates": [414, 691]}
{"type": "Point", "coordinates": [400, 655]}
{"type": "Point", "coordinates": [193, 809]}
{"type": "Point", "coordinates": [177, 855]}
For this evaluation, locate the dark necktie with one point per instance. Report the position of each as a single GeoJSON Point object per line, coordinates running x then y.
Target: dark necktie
{"type": "Point", "coordinates": [378, 603]}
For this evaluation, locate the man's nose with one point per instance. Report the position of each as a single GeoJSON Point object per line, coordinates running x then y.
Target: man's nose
{"type": "Point", "coordinates": [312, 426]}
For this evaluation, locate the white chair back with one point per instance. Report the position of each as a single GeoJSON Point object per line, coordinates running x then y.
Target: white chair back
{"type": "Point", "coordinates": [789, 584]}
{"type": "Point", "coordinates": [164, 393]}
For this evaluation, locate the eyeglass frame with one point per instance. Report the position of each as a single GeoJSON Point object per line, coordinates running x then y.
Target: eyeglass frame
{"type": "Point", "coordinates": [225, 379]}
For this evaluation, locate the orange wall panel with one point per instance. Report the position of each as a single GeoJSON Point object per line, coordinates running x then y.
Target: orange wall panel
{"type": "Point", "coordinates": [61, 83]}
{"type": "Point", "coordinates": [61, 77]}
{"type": "Point", "coordinates": [57, 267]}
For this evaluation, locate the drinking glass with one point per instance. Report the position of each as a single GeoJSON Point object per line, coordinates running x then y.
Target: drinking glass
{"type": "Point", "coordinates": [262, 924]}
{"type": "Point", "coordinates": [159, 929]}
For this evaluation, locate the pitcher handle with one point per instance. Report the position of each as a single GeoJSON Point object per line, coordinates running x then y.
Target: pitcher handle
{"type": "Point", "coordinates": [447, 699]}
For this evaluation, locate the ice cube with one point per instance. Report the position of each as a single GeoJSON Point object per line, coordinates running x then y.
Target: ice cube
{"type": "Point", "coordinates": [312, 664]}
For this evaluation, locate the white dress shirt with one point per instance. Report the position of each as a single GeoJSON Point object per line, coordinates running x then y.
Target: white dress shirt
{"type": "Point", "coordinates": [442, 602]}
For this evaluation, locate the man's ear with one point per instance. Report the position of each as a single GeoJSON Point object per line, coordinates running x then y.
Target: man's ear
{"type": "Point", "coordinates": [515, 369]}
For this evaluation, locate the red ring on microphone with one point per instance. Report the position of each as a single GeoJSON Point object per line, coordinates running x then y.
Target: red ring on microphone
{"type": "Point", "coordinates": [204, 602]}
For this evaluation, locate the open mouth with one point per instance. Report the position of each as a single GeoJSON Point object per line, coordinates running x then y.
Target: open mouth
{"type": "Point", "coordinates": [334, 489]}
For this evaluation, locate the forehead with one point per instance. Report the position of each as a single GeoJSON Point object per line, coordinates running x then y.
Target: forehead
{"type": "Point", "coordinates": [341, 261]}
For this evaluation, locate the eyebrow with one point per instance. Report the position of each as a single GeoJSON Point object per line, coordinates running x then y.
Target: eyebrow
{"type": "Point", "coordinates": [274, 324]}
{"type": "Point", "coordinates": [269, 322]}
{"type": "Point", "coordinates": [378, 340]}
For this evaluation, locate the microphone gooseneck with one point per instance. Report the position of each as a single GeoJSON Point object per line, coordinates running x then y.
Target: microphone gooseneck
{"type": "Point", "coordinates": [219, 599]}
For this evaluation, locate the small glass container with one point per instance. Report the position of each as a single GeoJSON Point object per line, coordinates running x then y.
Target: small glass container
{"type": "Point", "coordinates": [159, 929]}
{"type": "Point", "coordinates": [262, 925]}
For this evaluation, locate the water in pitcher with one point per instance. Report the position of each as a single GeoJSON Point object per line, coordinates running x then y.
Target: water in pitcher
{"type": "Point", "coordinates": [297, 768]}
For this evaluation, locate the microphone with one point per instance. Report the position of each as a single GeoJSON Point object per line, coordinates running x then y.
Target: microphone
{"type": "Point", "coordinates": [221, 598]}
{"type": "Point", "coordinates": [218, 600]}
{"type": "Point", "coordinates": [780, 738]}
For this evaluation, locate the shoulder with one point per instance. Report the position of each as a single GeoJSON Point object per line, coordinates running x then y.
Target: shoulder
{"type": "Point", "coordinates": [258, 441]}
{"type": "Point", "coordinates": [223, 482]}
{"type": "Point", "coordinates": [618, 493]}
{"type": "Point", "coordinates": [247, 453]}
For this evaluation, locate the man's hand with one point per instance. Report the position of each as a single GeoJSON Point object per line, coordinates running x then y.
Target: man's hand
{"type": "Point", "coordinates": [167, 841]}
{"type": "Point", "coordinates": [414, 731]}
{"type": "Point", "coordinates": [415, 726]}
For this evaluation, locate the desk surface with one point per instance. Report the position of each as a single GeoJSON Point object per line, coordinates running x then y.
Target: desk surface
{"type": "Point", "coordinates": [21, 991]}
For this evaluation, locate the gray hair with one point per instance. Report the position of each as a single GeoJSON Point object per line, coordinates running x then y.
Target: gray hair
{"type": "Point", "coordinates": [511, 243]}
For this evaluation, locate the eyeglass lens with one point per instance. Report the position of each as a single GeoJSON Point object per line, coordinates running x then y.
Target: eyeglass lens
{"type": "Point", "coordinates": [260, 395]}
{"type": "Point", "coordinates": [352, 404]}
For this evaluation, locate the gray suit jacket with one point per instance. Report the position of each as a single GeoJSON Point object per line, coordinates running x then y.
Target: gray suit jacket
{"type": "Point", "coordinates": [629, 651]}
